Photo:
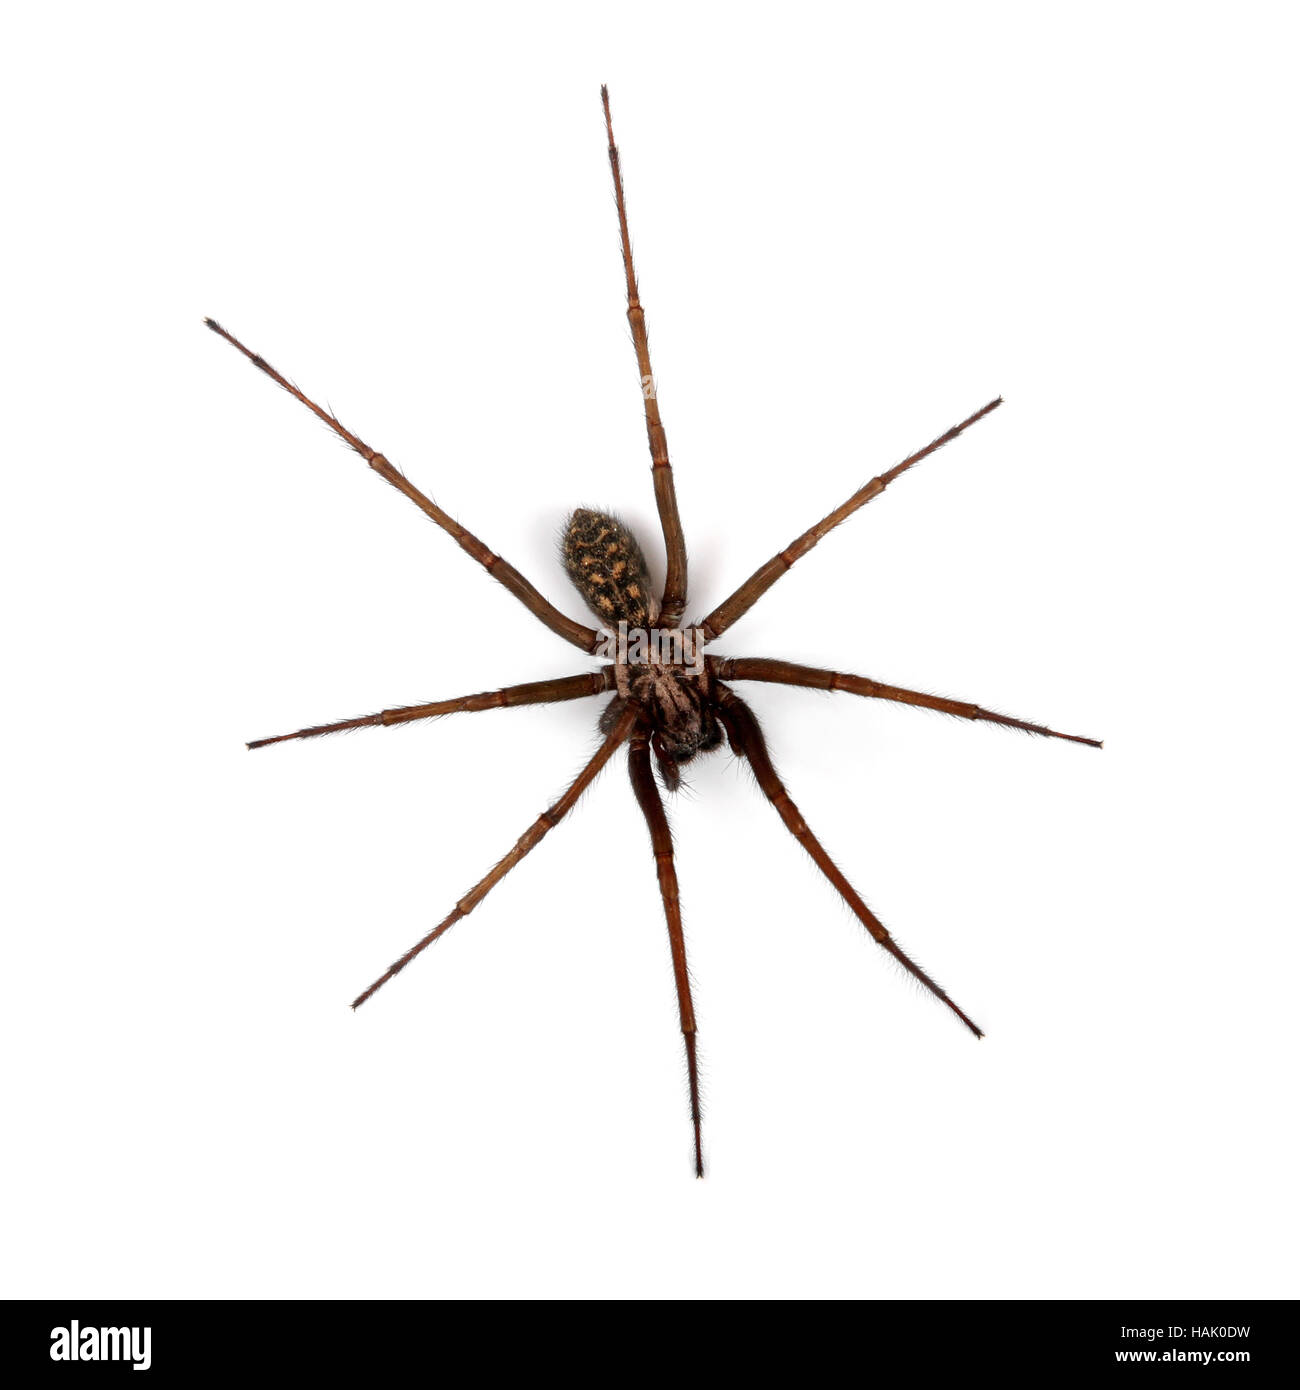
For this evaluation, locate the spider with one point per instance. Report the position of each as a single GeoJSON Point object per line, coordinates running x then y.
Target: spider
{"type": "Point", "coordinates": [669, 700]}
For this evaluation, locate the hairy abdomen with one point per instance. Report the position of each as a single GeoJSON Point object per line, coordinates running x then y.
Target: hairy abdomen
{"type": "Point", "coordinates": [605, 562]}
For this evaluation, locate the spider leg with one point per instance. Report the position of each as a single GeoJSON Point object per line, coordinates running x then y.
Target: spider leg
{"type": "Point", "coordinates": [652, 807]}
{"type": "Point", "coordinates": [674, 596]}
{"type": "Point", "coordinates": [747, 737]}
{"type": "Point", "coordinates": [757, 668]}
{"type": "Point", "coordinates": [766, 575]}
{"type": "Point", "coordinates": [585, 638]}
{"type": "Point", "coordinates": [535, 833]}
{"type": "Point", "coordinates": [533, 693]}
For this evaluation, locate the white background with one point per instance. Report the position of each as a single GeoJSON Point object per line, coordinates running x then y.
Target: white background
{"type": "Point", "coordinates": [853, 227]}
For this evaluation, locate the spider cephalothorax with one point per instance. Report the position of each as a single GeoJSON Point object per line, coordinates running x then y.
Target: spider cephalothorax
{"type": "Point", "coordinates": [668, 696]}
{"type": "Point", "coordinates": [677, 708]}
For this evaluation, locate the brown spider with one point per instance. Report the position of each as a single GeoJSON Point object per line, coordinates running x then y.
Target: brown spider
{"type": "Point", "coordinates": [669, 699]}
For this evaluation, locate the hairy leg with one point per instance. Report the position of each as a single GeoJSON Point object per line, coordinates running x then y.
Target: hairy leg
{"type": "Point", "coordinates": [652, 807]}
{"type": "Point", "coordinates": [531, 837]}
{"type": "Point", "coordinates": [674, 596]}
{"type": "Point", "coordinates": [585, 638]}
{"type": "Point", "coordinates": [758, 583]}
{"type": "Point", "coordinates": [757, 668]}
{"type": "Point", "coordinates": [747, 741]}
{"type": "Point", "coordinates": [533, 693]}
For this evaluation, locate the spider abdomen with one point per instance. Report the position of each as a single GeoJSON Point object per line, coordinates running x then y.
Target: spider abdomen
{"type": "Point", "coordinates": [606, 564]}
